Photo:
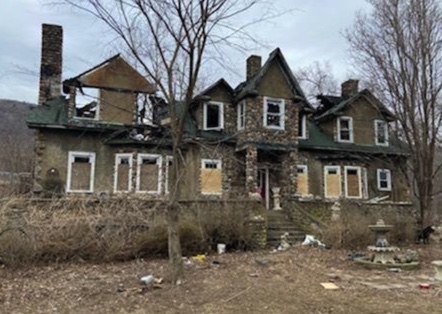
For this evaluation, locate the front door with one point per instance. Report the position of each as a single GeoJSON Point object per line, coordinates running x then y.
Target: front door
{"type": "Point", "coordinates": [263, 186]}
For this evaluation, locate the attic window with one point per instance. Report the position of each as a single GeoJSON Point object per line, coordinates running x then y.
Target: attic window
{"type": "Point", "coordinates": [274, 112]}
{"type": "Point", "coordinates": [87, 103]}
{"type": "Point", "coordinates": [213, 116]}
{"type": "Point", "coordinates": [381, 132]}
{"type": "Point", "coordinates": [345, 129]}
{"type": "Point", "coordinates": [302, 125]}
{"type": "Point", "coordinates": [144, 110]}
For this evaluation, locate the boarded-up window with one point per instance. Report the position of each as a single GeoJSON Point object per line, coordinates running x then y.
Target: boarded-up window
{"type": "Point", "coordinates": [332, 180]}
{"type": "Point", "coordinates": [81, 166]}
{"type": "Point", "coordinates": [149, 173]}
{"type": "Point", "coordinates": [211, 177]}
{"type": "Point", "coordinates": [353, 182]}
{"type": "Point", "coordinates": [302, 188]}
{"type": "Point", "coordinates": [123, 173]}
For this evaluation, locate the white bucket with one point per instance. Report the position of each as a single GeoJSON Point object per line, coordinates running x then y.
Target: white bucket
{"type": "Point", "coordinates": [221, 248]}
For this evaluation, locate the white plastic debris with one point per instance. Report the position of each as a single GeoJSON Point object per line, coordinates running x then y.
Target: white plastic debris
{"type": "Point", "coordinates": [310, 240]}
{"type": "Point", "coordinates": [147, 280]}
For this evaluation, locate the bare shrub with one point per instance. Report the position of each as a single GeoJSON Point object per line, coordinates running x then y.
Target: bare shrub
{"type": "Point", "coordinates": [351, 230]}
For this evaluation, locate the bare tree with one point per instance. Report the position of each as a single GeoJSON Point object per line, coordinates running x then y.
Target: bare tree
{"type": "Point", "coordinates": [169, 41]}
{"type": "Point", "coordinates": [397, 48]}
{"type": "Point", "coordinates": [317, 79]}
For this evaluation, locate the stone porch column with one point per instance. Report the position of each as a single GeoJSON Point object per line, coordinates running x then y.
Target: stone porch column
{"type": "Point", "coordinates": [252, 170]}
{"type": "Point", "coordinates": [289, 168]}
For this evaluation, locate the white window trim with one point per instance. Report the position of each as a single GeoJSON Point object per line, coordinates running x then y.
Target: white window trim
{"type": "Point", "coordinates": [281, 103]}
{"type": "Point", "coordinates": [218, 166]}
{"type": "Point", "coordinates": [304, 167]}
{"type": "Point", "coordinates": [71, 158]}
{"type": "Point", "coordinates": [378, 179]}
{"type": "Point", "coordinates": [303, 136]}
{"type": "Point", "coordinates": [221, 117]}
{"type": "Point", "coordinates": [376, 122]}
{"type": "Point", "coordinates": [241, 119]}
{"type": "Point", "coordinates": [138, 179]}
{"type": "Point", "coordinates": [166, 178]}
{"type": "Point", "coordinates": [358, 169]}
{"type": "Point", "coordinates": [350, 119]}
{"type": "Point", "coordinates": [326, 168]}
{"type": "Point", "coordinates": [118, 157]}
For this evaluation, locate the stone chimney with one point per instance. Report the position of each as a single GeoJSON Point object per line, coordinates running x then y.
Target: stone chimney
{"type": "Point", "coordinates": [51, 62]}
{"type": "Point", "coordinates": [253, 65]}
{"type": "Point", "coordinates": [349, 88]}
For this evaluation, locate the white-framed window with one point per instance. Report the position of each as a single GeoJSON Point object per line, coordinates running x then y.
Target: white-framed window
{"type": "Point", "coordinates": [81, 171]}
{"type": "Point", "coordinates": [123, 173]}
{"type": "Point", "coordinates": [213, 116]}
{"type": "Point", "coordinates": [241, 113]}
{"type": "Point", "coordinates": [332, 181]}
{"type": "Point", "coordinates": [302, 126]}
{"type": "Point", "coordinates": [302, 180]}
{"type": "Point", "coordinates": [211, 176]}
{"type": "Point", "coordinates": [384, 179]}
{"type": "Point", "coordinates": [352, 182]}
{"type": "Point", "coordinates": [87, 103]}
{"type": "Point", "coordinates": [345, 129]}
{"type": "Point", "coordinates": [149, 173]}
{"type": "Point", "coordinates": [381, 132]}
{"type": "Point", "coordinates": [168, 181]}
{"type": "Point", "coordinates": [274, 113]}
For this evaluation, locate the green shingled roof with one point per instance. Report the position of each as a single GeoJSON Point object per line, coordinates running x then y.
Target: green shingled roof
{"type": "Point", "coordinates": [321, 141]}
{"type": "Point", "coordinates": [53, 112]}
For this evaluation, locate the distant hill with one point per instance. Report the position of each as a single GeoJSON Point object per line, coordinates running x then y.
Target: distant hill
{"type": "Point", "coordinates": [16, 139]}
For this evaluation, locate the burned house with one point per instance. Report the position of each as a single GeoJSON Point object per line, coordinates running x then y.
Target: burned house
{"type": "Point", "coordinates": [105, 131]}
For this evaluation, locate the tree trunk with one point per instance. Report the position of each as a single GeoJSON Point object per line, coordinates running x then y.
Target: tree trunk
{"type": "Point", "coordinates": [175, 256]}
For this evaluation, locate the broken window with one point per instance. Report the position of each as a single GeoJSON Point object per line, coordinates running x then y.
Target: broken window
{"type": "Point", "coordinates": [213, 116]}
{"type": "Point", "coordinates": [302, 180]}
{"type": "Point", "coordinates": [241, 110]}
{"type": "Point", "coordinates": [302, 121]}
{"type": "Point", "coordinates": [144, 109]}
{"type": "Point", "coordinates": [149, 173]}
{"type": "Point", "coordinates": [274, 113]}
{"type": "Point", "coordinates": [345, 129]}
{"type": "Point", "coordinates": [87, 103]}
{"type": "Point", "coordinates": [332, 180]}
{"type": "Point", "coordinates": [123, 173]}
{"type": "Point", "coordinates": [381, 132]}
{"type": "Point", "coordinates": [384, 179]}
{"type": "Point", "coordinates": [81, 168]}
{"type": "Point", "coordinates": [211, 176]}
{"type": "Point", "coordinates": [353, 184]}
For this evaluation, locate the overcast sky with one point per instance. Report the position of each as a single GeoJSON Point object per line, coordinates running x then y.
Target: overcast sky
{"type": "Point", "coordinates": [312, 32]}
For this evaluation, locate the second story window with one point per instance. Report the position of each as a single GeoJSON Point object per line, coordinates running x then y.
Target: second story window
{"type": "Point", "coordinates": [381, 133]}
{"type": "Point", "coordinates": [274, 113]}
{"type": "Point", "coordinates": [345, 129]}
{"type": "Point", "coordinates": [302, 126]}
{"type": "Point", "coordinates": [241, 110]}
{"type": "Point", "coordinates": [213, 116]}
{"type": "Point", "coordinates": [87, 103]}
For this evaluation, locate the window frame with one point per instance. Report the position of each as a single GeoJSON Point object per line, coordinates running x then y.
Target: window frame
{"type": "Point", "coordinates": [159, 160]}
{"type": "Point", "coordinates": [218, 163]}
{"type": "Point", "coordinates": [97, 98]}
{"type": "Point", "coordinates": [378, 179]}
{"type": "Point", "coordinates": [71, 158]}
{"type": "Point", "coordinates": [166, 175]}
{"type": "Point", "coordinates": [281, 103]}
{"type": "Point", "coordinates": [220, 106]}
{"type": "Point", "coordinates": [118, 157]}
{"type": "Point", "coordinates": [359, 173]}
{"type": "Point", "coordinates": [386, 134]}
{"type": "Point", "coordinates": [338, 168]}
{"type": "Point", "coordinates": [303, 134]}
{"type": "Point", "coordinates": [241, 118]}
{"type": "Point", "coordinates": [350, 129]}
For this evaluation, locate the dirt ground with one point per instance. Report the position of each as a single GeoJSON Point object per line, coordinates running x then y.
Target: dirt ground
{"type": "Point", "coordinates": [260, 282]}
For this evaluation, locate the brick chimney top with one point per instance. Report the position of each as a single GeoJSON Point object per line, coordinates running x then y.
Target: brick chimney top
{"type": "Point", "coordinates": [253, 65]}
{"type": "Point", "coordinates": [349, 88]}
{"type": "Point", "coordinates": [51, 62]}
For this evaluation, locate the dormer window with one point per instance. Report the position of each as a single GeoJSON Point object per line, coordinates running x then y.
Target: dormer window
{"type": "Point", "coordinates": [381, 132]}
{"type": "Point", "coordinates": [241, 110]}
{"type": "Point", "coordinates": [345, 129]}
{"type": "Point", "coordinates": [213, 116]}
{"type": "Point", "coordinates": [274, 113]}
{"type": "Point", "coordinates": [302, 126]}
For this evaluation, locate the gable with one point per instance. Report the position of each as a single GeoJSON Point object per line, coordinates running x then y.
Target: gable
{"type": "Point", "coordinates": [116, 74]}
{"type": "Point", "coordinates": [274, 83]}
